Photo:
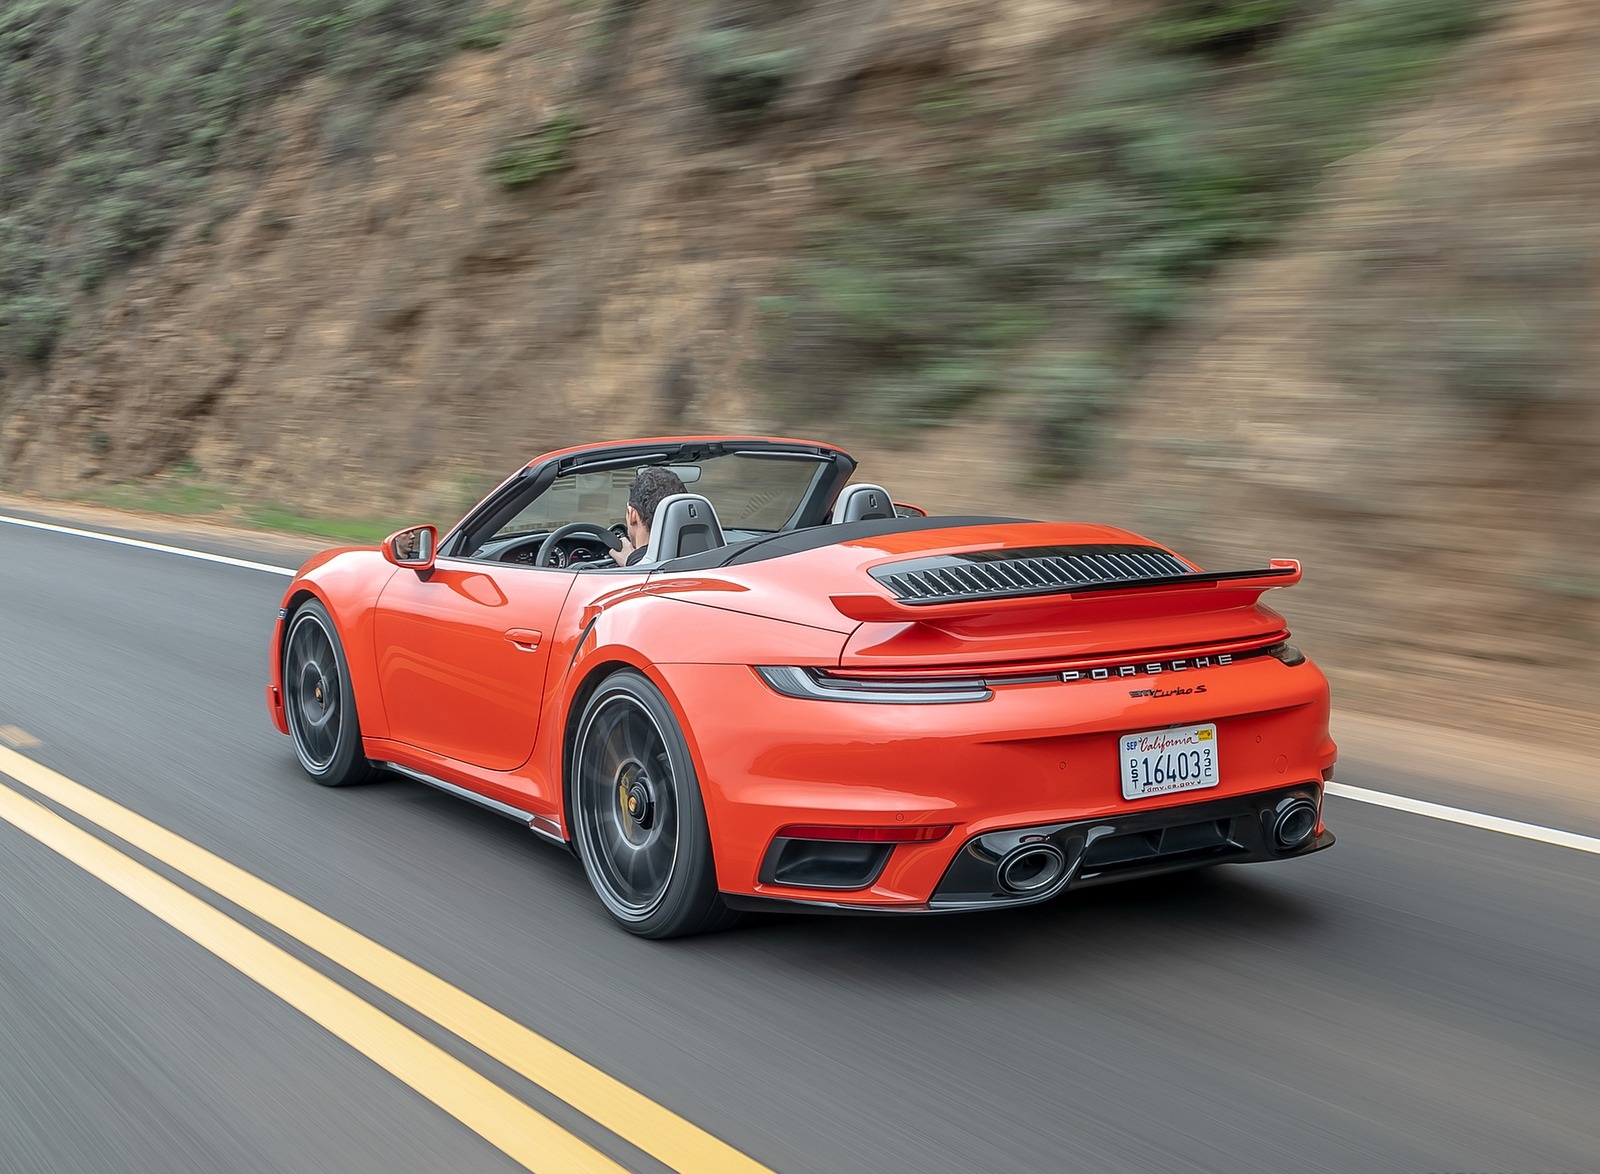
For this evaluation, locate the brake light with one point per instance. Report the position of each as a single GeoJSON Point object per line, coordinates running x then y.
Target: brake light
{"type": "Point", "coordinates": [818, 685]}
{"type": "Point", "coordinates": [1287, 653]}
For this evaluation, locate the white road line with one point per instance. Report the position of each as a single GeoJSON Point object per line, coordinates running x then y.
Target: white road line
{"type": "Point", "coordinates": [203, 556]}
{"type": "Point", "coordinates": [1472, 819]}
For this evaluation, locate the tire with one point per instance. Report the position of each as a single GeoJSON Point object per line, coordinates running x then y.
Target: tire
{"type": "Point", "coordinates": [319, 702]}
{"type": "Point", "coordinates": [639, 821]}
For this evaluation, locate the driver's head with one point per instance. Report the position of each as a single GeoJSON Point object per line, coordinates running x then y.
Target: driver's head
{"type": "Point", "coordinates": [650, 488]}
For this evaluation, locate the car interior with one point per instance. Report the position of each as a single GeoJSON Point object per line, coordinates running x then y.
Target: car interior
{"type": "Point", "coordinates": [731, 499]}
{"type": "Point", "coordinates": [685, 524]}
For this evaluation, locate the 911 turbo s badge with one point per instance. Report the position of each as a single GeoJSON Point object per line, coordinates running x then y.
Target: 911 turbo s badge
{"type": "Point", "coordinates": [1179, 692]}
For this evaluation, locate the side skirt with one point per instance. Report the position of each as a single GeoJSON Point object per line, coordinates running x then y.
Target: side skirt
{"type": "Point", "coordinates": [538, 823]}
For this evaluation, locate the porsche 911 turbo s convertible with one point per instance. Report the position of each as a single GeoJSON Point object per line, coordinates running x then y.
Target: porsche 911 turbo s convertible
{"type": "Point", "coordinates": [806, 697]}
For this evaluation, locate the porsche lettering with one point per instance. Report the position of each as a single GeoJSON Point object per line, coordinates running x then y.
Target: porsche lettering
{"type": "Point", "coordinates": [1148, 667]}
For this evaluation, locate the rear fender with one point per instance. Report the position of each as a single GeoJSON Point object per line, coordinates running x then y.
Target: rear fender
{"type": "Point", "coordinates": [650, 633]}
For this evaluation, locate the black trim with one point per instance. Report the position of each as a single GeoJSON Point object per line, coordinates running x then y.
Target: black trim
{"type": "Point", "coordinates": [1244, 836]}
{"type": "Point", "coordinates": [998, 574]}
{"type": "Point", "coordinates": [1194, 579]}
{"type": "Point", "coordinates": [496, 510]}
{"type": "Point", "coordinates": [746, 903]}
{"type": "Point", "coordinates": [689, 451]}
{"type": "Point", "coordinates": [582, 636]}
{"type": "Point", "coordinates": [650, 456]}
{"type": "Point", "coordinates": [824, 864]}
{"type": "Point", "coordinates": [1131, 843]}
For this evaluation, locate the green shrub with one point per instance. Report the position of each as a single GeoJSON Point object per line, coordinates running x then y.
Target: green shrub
{"type": "Point", "coordinates": [740, 72]}
{"type": "Point", "coordinates": [30, 321]}
{"type": "Point", "coordinates": [486, 32]}
{"type": "Point", "coordinates": [1071, 396]}
{"type": "Point", "coordinates": [29, 327]}
{"type": "Point", "coordinates": [1218, 26]}
{"type": "Point", "coordinates": [1092, 225]}
{"type": "Point", "coordinates": [530, 157]}
{"type": "Point", "coordinates": [113, 111]}
{"type": "Point", "coordinates": [1328, 78]}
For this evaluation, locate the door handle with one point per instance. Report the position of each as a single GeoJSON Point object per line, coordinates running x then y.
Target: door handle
{"type": "Point", "coordinates": [527, 639]}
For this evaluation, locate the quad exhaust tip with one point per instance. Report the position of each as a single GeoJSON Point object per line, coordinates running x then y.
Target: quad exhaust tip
{"type": "Point", "coordinates": [1031, 868]}
{"type": "Point", "coordinates": [1296, 820]}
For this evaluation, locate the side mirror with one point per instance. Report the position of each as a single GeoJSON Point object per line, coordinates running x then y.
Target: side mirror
{"type": "Point", "coordinates": [412, 548]}
{"type": "Point", "coordinates": [904, 510]}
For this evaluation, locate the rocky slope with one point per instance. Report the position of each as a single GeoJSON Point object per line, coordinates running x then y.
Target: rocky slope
{"type": "Point", "coordinates": [383, 329]}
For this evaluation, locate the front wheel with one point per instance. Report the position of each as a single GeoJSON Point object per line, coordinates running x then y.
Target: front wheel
{"type": "Point", "coordinates": [319, 702]}
{"type": "Point", "coordinates": [639, 820]}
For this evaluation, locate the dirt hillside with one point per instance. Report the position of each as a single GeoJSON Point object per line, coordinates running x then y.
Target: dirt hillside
{"type": "Point", "coordinates": [385, 330]}
{"type": "Point", "coordinates": [1453, 554]}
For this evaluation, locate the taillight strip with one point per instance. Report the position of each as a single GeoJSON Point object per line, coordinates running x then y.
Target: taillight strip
{"type": "Point", "coordinates": [1017, 672]}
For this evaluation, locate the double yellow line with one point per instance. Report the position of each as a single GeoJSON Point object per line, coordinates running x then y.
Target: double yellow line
{"type": "Point", "coordinates": [524, 1134]}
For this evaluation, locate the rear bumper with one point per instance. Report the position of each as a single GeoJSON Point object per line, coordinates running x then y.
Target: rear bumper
{"type": "Point", "coordinates": [1137, 844]}
{"type": "Point", "coordinates": [1035, 755]}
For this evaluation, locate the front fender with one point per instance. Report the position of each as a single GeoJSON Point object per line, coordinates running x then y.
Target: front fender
{"type": "Point", "coordinates": [347, 581]}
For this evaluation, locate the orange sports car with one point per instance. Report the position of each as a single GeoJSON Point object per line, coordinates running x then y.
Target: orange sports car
{"type": "Point", "coordinates": [796, 694]}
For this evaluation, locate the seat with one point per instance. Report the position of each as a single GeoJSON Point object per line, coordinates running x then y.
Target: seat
{"type": "Point", "coordinates": [685, 523]}
{"type": "Point", "coordinates": [863, 503]}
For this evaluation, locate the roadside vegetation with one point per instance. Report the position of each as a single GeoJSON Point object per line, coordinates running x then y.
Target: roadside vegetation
{"type": "Point", "coordinates": [185, 492]}
{"type": "Point", "coordinates": [112, 112]}
{"type": "Point", "coordinates": [530, 157]}
{"type": "Point", "coordinates": [1040, 245]}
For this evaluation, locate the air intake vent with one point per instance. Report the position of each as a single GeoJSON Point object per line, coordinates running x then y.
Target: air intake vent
{"type": "Point", "coordinates": [1047, 570]}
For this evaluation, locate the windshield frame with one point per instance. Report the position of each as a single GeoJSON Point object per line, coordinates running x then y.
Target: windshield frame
{"type": "Point", "coordinates": [522, 489]}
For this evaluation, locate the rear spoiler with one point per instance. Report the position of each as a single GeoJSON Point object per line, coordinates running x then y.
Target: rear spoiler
{"type": "Point", "coordinates": [880, 609]}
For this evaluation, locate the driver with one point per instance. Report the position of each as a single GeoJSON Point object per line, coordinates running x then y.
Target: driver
{"type": "Point", "coordinates": [650, 488]}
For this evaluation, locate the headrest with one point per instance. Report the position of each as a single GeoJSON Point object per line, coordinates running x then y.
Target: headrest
{"type": "Point", "coordinates": [863, 503]}
{"type": "Point", "coordinates": [685, 523]}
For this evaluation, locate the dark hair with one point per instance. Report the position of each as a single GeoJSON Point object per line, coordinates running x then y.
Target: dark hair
{"type": "Point", "coordinates": [650, 488]}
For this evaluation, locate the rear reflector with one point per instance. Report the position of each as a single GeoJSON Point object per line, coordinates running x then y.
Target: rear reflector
{"type": "Point", "coordinates": [879, 835]}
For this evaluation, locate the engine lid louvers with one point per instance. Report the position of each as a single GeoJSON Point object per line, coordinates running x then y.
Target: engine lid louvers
{"type": "Point", "coordinates": [999, 574]}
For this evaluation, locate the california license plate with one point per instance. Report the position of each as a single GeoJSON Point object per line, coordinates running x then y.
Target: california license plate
{"type": "Point", "coordinates": [1162, 761]}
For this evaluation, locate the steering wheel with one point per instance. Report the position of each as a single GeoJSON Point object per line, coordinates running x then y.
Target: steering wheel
{"type": "Point", "coordinates": [547, 548]}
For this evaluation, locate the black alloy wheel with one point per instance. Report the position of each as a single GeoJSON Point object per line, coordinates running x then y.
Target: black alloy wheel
{"type": "Point", "coordinates": [639, 820]}
{"type": "Point", "coordinates": [319, 702]}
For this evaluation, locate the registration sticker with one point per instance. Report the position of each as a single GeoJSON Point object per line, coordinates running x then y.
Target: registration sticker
{"type": "Point", "coordinates": [1161, 761]}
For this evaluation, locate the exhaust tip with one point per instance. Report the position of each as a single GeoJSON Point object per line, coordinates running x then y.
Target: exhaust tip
{"type": "Point", "coordinates": [1031, 868]}
{"type": "Point", "coordinates": [1295, 822]}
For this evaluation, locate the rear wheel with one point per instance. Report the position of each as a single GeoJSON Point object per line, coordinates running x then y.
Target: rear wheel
{"type": "Point", "coordinates": [319, 702]}
{"type": "Point", "coordinates": [639, 820]}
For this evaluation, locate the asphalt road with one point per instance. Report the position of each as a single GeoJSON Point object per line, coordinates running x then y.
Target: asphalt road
{"type": "Point", "coordinates": [1421, 998]}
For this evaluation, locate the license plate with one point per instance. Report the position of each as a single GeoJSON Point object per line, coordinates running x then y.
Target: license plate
{"type": "Point", "coordinates": [1162, 761]}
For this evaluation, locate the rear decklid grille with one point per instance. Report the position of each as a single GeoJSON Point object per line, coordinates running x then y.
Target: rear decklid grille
{"type": "Point", "coordinates": [1006, 574]}
{"type": "Point", "coordinates": [1085, 604]}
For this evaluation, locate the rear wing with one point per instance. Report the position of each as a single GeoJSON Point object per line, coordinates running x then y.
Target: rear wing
{"type": "Point", "coordinates": [964, 600]}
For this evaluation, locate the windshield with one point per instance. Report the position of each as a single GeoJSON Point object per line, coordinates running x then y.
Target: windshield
{"type": "Point", "coordinates": [752, 493]}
